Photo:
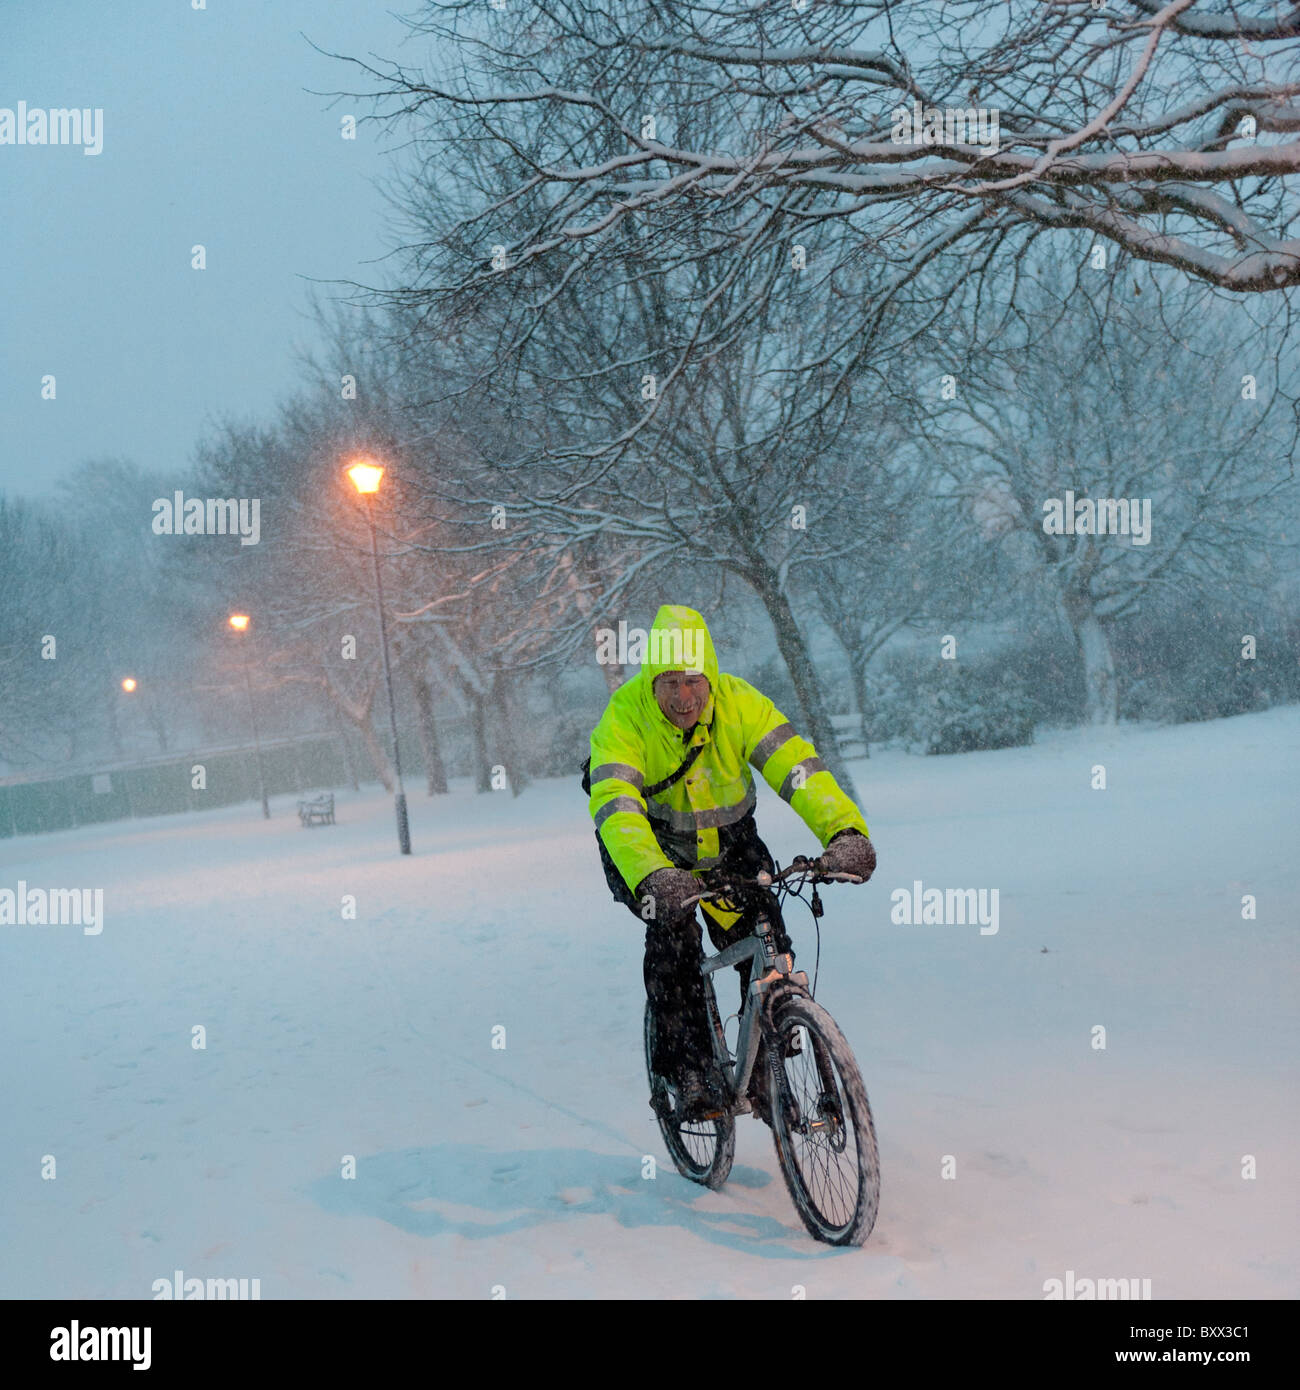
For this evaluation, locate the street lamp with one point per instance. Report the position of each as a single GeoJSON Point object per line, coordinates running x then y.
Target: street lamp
{"type": "Point", "coordinates": [365, 475]}
{"type": "Point", "coordinates": [239, 622]}
{"type": "Point", "coordinates": [129, 686]}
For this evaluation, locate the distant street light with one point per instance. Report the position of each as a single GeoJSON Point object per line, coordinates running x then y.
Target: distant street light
{"type": "Point", "coordinates": [128, 685]}
{"type": "Point", "coordinates": [239, 621]}
{"type": "Point", "coordinates": [365, 475]}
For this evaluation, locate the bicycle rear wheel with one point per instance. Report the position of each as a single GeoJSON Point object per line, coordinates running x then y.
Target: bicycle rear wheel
{"type": "Point", "coordinates": [701, 1150]}
{"type": "Point", "coordinates": [821, 1124]}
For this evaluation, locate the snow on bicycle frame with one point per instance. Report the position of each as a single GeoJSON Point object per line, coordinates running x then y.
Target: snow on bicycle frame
{"type": "Point", "coordinates": [760, 948]}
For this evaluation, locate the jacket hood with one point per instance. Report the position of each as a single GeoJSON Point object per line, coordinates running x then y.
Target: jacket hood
{"type": "Point", "coordinates": [679, 641]}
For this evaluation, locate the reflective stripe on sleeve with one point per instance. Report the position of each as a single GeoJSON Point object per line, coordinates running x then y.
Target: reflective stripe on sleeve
{"type": "Point", "coordinates": [619, 803]}
{"type": "Point", "coordinates": [809, 765]}
{"type": "Point", "coordinates": [624, 772]}
{"type": "Point", "coordinates": [769, 743]}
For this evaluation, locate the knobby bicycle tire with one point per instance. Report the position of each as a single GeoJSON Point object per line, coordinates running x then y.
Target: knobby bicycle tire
{"type": "Point", "coordinates": [836, 1200]}
{"type": "Point", "coordinates": [701, 1150]}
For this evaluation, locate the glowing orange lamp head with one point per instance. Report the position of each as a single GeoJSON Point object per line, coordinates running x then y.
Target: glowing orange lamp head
{"type": "Point", "coordinates": [365, 476]}
{"type": "Point", "coordinates": [128, 684]}
{"type": "Point", "coordinates": [239, 621]}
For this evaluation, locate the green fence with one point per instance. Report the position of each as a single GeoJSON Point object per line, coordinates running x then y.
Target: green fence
{"type": "Point", "coordinates": [165, 786]}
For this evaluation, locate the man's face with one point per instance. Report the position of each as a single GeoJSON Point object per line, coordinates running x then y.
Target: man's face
{"type": "Point", "coordinates": [682, 697]}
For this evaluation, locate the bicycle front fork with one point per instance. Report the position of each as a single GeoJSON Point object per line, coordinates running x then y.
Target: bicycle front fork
{"type": "Point", "coordinates": [770, 968]}
{"type": "Point", "coordinates": [777, 965]}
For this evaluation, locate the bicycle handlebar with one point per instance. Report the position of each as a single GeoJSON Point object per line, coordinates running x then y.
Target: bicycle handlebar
{"type": "Point", "coordinates": [809, 870]}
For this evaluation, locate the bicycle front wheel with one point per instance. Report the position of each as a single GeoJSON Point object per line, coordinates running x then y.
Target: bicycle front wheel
{"type": "Point", "coordinates": [821, 1124]}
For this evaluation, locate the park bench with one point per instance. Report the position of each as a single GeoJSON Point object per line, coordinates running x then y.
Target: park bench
{"type": "Point", "coordinates": [317, 810]}
{"type": "Point", "coordinates": [849, 735]}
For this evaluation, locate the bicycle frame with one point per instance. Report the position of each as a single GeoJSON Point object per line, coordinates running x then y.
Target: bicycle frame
{"type": "Point", "coordinates": [821, 1100]}
{"type": "Point", "coordinates": [769, 969]}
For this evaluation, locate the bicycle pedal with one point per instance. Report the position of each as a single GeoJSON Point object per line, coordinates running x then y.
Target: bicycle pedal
{"type": "Point", "coordinates": [714, 1112]}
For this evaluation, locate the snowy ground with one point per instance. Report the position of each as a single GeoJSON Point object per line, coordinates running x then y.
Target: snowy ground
{"type": "Point", "coordinates": [522, 1167]}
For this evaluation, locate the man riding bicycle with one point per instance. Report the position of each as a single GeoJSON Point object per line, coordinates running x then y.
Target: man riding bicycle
{"type": "Point", "coordinates": [672, 796]}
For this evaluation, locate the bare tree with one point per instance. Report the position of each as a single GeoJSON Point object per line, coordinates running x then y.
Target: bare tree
{"type": "Point", "coordinates": [608, 448]}
{"type": "Point", "coordinates": [907, 558]}
{"type": "Point", "coordinates": [934, 143]}
{"type": "Point", "coordinates": [1125, 454]}
{"type": "Point", "coordinates": [82, 577]}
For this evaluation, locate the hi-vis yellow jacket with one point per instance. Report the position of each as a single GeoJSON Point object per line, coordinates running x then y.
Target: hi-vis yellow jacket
{"type": "Point", "coordinates": [635, 745]}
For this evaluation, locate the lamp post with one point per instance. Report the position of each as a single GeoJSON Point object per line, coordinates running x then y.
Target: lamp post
{"type": "Point", "coordinates": [129, 686]}
{"type": "Point", "coordinates": [239, 622]}
{"type": "Point", "coordinates": [365, 476]}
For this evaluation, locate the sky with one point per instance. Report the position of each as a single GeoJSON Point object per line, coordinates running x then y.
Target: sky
{"type": "Point", "coordinates": [211, 137]}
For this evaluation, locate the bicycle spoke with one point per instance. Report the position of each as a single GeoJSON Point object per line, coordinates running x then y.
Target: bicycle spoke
{"type": "Point", "coordinates": [819, 1112]}
{"type": "Point", "coordinates": [829, 1167]}
{"type": "Point", "coordinates": [702, 1149]}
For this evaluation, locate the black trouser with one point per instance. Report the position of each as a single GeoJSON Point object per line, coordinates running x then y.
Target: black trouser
{"type": "Point", "coordinates": [675, 987]}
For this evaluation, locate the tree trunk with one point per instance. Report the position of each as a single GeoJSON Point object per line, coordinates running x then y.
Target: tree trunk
{"type": "Point", "coordinates": [378, 757]}
{"type": "Point", "coordinates": [508, 743]}
{"type": "Point", "coordinates": [476, 707]}
{"type": "Point", "coordinates": [615, 672]}
{"type": "Point", "coordinates": [478, 728]}
{"type": "Point", "coordinates": [1101, 693]}
{"type": "Point", "coordinates": [858, 681]}
{"type": "Point", "coordinates": [349, 767]}
{"type": "Point", "coordinates": [794, 651]}
{"type": "Point", "coordinates": [358, 715]}
{"type": "Point", "coordinates": [435, 770]}
{"type": "Point", "coordinates": [155, 716]}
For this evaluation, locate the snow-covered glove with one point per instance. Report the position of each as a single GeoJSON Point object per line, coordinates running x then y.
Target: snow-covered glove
{"type": "Point", "coordinates": [850, 852]}
{"type": "Point", "coordinates": [668, 889]}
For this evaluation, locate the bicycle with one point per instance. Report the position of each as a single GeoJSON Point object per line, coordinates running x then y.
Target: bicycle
{"type": "Point", "coordinates": [820, 1116]}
